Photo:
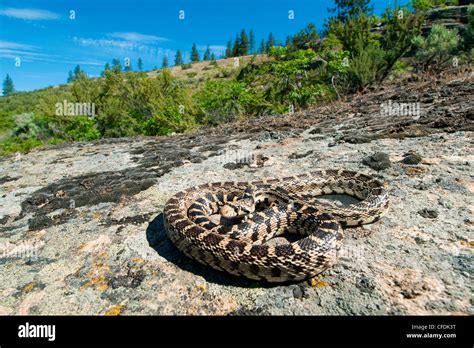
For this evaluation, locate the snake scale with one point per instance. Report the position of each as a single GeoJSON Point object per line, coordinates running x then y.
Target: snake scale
{"type": "Point", "coordinates": [252, 213]}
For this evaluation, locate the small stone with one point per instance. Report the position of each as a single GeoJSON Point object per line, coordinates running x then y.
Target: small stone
{"type": "Point", "coordinates": [298, 292]}
{"type": "Point", "coordinates": [412, 158]}
{"type": "Point", "coordinates": [428, 213]}
{"type": "Point", "coordinates": [378, 161]}
{"type": "Point", "coordinates": [365, 284]}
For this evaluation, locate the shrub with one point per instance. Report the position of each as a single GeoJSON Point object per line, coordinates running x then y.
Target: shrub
{"type": "Point", "coordinates": [224, 100]}
{"type": "Point", "coordinates": [81, 128]}
{"type": "Point", "coordinates": [6, 122]}
{"type": "Point", "coordinates": [186, 66]}
{"type": "Point", "coordinates": [436, 50]}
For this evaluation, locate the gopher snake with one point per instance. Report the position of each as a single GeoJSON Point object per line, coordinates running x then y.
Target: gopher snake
{"type": "Point", "coordinates": [268, 208]}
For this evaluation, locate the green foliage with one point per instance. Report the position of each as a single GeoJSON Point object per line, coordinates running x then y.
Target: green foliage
{"type": "Point", "coordinates": [15, 144]}
{"type": "Point", "coordinates": [358, 50]}
{"type": "Point", "coordinates": [305, 38]}
{"type": "Point", "coordinates": [437, 49]}
{"type": "Point", "coordinates": [207, 53]}
{"type": "Point", "coordinates": [373, 55]}
{"type": "Point", "coordinates": [365, 67]}
{"type": "Point", "coordinates": [226, 100]}
{"type": "Point", "coordinates": [8, 88]}
{"type": "Point", "coordinates": [178, 59]}
{"type": "Point", "coordinates": [7, 122]}
{"type": "Point", "coordinates": [350, 8]}
{"type": "Point", "coordinates": [81, 128]}
{"type": "Point", "coordinates": [243, 44]}
{"type": "Point", "coordinates": [469, 37]}
{"type": "Point", "coordinates": [165, 63]}
{"type": "Point", "coordinates": [194, 54]}
{"type": "Point", "coordinates": [425, 5]}
{"type": "Point", "coordinates": [422, 5]}
{"type": "Point", "coordinates": [270, 42]}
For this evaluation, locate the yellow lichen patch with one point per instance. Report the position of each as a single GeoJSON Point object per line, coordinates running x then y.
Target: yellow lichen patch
{"type": "Point", "coordinates": [98, 274]}
{"type": "Point", "coordinates": [137, 260]}
{"type": "Point", "coordinates": [468, 244]}
{"type": "Point", "coordinates": [415, 170]}
{"type": "Point", "coordinates": [201, 287]}
{"type": "Point", "coordinates": [318, 283]}
{"type": "Point", "coordinates": [96, 215]}
{"type": "Point", "coordinates": [115, 310]}
{"type": "Point", "coordinates": [28, 288]}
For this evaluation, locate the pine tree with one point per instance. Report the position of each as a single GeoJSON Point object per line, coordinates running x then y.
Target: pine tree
{"type": "Point", "coordinates": [270, 42]}
{"type": "Point", "coordinates": [165, 64]}
{"type": "Point", "coordinates": [251, 42]}
{"type": "Point", "coordinates": [207, 54]}
{"type": "Point", "coordinates": [350, 8]}
{"type": "Point", "coordinates": [78, 73]}
{"type": "Point", "coordinates": [213, 56]}
{"type": "Point", "coordinates": [106, 68]}
{"type": "Point", "coordinates": [244, 43]}
{"type": "Point", "coordinates": [194, 54]}
{"type": "Point", "coordinates": [8, 88]}
{"type": "Point", "coordinates": [228, 50]}
{"type": "Point", "coordinates": [235, 48]}
{"type": "Point", "coordinates": [262, 48]}
{"type": "Point", "coordinates": [140, 64]}
{"type": "Point", "coordinates": [116, 66]}
{"type": "Point", "coordinates": [70, 77]}
{"type": "Point", "coordinates": [178, 59]}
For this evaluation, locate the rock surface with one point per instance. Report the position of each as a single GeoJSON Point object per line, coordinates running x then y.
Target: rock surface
{"type": "Point", "coordinates": [81, 227]}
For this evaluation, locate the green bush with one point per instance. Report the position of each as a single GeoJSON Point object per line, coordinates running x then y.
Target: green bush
{"type": "Point", "coordinates": [226, 100]}
{"type": "Point", "coordinates": [186, 66]}
{"type": "Point", "coordinates": [6, 122]}
{"type": "Point", "coordinates": [437, 49]}
{"type": "Point", "coordinates": [469, 37]}
{"type": "Point", "coordinates": [81, 128]}
{"type": "Point", "coordinates": [17, 144]}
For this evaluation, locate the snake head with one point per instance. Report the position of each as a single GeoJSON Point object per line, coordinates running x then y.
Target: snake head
{"type": "Point", "coordinates": [238, 209]}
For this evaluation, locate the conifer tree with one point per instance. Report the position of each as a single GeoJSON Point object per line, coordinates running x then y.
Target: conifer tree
{"type": "Point", "coordinates": [251, 42]}
{"type": "Point", "coordinates": [178, 59]}
{"type": "Point", "coordinates": [8, 88]}
{"type": "Point", "coordinates": [244, 43]}
{"type": "Point", "coordinates": [194, 54]}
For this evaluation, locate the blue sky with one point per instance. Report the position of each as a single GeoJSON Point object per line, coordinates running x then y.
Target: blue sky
{"type": "Point", "coordinates": [49, 43]}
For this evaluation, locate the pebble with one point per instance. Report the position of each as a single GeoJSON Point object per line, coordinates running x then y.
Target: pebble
{"type": "Point", "coordinates": [378, 161]}
{"type": "Point", "coordinates": [428, 213]}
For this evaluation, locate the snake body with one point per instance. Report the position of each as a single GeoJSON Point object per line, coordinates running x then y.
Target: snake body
{"type": "Point", "coordinates": [266, 209]}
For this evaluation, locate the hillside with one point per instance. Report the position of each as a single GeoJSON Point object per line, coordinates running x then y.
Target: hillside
{"type": "Point", "coordinates": [82, 193]}
{"type": "Point", "coordinates": [108, 254]}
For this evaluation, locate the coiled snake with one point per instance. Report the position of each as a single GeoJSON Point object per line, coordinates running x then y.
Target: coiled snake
{"type": "Point", "coordinates": [252, 213]}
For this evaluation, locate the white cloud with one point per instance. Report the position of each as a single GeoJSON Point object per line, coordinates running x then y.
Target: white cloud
{"type": "Point", "coordinates": [137, 37]}
{"type": "Point", "coordinates": [15, 45]}
{"type": "Point", "coordinates": [29, 13]}
{"type": "Point", "coordinates": [28, 56]}
{"type": "Point", "coordinates": [104, 43]}
{"type": "Point", "coordinates": [214, 48]}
